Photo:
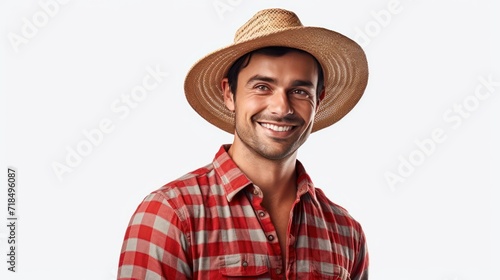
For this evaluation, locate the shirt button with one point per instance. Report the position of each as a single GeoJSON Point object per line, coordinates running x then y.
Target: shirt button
{"type": "Point", "coordinates": [278, 271]}
{"type": "Point", "coordinates": [262, 214]}
{"type": "Point", "coordinates": [244, 263]}
{"type": "Point", "coordinates": [255, 192]}
{"type": "Point", "coordinates": [270, 237]}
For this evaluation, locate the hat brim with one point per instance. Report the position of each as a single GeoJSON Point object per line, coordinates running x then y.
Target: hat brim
{"type": "Point", "coordinates": [344, 64]}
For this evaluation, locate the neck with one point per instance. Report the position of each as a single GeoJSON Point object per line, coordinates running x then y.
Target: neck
{"type": "Point", "coordinates": [275, 177]}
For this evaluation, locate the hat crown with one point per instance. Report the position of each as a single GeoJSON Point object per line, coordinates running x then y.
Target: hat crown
{"type": "Point", "coordinates": [266, 22]}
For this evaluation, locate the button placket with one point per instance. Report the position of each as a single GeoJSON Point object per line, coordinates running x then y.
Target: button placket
{"type": "Point", "coordinates": [268, 230]}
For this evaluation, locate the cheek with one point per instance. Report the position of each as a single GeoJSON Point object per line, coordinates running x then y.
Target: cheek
{"type": "Point", "coordinates": [305, 109]}
{"type": "Point", "coordinates": [249, 106]}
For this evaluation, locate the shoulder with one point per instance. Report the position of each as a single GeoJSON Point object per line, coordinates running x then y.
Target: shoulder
{"type": "Point", "coordinates": [191, 183]}
{"type": "Point", "coordinates": [184, 194]}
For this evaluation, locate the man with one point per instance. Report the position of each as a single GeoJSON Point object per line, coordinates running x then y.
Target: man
{"type": "Point", "coordinates": [254, 213]}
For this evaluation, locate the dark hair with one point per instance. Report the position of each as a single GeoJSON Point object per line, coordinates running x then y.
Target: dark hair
{"type": "Point", "coordinates": [243, 61]}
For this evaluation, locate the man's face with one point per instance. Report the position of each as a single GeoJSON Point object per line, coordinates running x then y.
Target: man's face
{"type": "Point", "coordinates": [275, 103]}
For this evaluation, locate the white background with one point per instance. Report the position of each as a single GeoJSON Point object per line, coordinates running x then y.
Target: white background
{"type": "Point", "coordinates": [440, 223]}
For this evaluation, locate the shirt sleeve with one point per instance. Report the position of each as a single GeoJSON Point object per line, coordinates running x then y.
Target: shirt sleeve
{"type": "Point", "coordinates": [360, 268]}
{"type": "Point", "coordinates": [155, 246]}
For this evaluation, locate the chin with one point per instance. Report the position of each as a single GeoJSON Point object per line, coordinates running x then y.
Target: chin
{"type": "Point", "coordinates": [276, 153]}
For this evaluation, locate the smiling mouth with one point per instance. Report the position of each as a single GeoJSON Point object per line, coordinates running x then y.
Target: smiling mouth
{"type": "Point", "coordinates": [278, 128]}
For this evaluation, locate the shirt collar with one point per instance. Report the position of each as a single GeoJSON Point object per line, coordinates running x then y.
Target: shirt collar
{"type": "Point", "coordinates": [234, 180]}
{"type": "Point", "coordinates": [305, 184]}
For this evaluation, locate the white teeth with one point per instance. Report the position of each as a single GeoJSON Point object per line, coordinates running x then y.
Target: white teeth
{"type": "Point", "coordinates": [276, 127]}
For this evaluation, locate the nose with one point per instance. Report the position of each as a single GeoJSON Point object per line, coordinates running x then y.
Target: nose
{"type": "Point", "coordinates": [279, 103]}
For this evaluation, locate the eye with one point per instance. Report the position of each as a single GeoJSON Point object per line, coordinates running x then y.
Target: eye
{"type": "Point", "coordinates": [299, 93]}
{"type": "Point", "coordinates": [262, 87]}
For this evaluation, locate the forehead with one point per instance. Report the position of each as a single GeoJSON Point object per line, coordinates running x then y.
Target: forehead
{"type": "Point", "coordinates": [295, 63]}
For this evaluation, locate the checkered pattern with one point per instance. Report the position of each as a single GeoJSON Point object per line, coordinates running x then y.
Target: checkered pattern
{"type": "Point", "coordinates": [209, 224]}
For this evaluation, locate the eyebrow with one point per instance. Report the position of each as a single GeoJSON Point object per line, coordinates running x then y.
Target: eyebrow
{"type": "Point", "coordinates": [295, 83]}
{"type": "Point", "coordinates": [260, 78]}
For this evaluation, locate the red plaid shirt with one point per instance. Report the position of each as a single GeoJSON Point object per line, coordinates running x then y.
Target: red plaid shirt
{"type": "Point", "coordinates": [209, 224]}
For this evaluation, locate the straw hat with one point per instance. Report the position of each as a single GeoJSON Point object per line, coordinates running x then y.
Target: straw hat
{"type": "Point", "coordinates": [343, 61]}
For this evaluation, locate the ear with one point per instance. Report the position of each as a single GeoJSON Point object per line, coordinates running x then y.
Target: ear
{"type": "Point", "coordinates": [321, 96]}
{"type": "Point", "coordinates": [227, 94]}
